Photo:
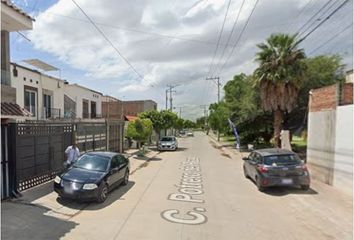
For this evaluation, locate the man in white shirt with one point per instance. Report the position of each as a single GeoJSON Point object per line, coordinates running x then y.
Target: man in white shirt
{"type": "Point", "coordinates": [72, 154]}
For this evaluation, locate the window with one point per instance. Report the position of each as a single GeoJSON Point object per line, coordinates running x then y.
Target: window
{"type": "Point", "coordinates": [47, 104]}
{"type": "Point", "coordinates": [281, 160]}
{"type": "Point", "coordinates": [30, 101]}
{"type": "Point", "coordinates": [115, 162]}
{"type": "Point", "coordinates": [122, 160]}
{"type": "Point", "coordinates": [257, 158]}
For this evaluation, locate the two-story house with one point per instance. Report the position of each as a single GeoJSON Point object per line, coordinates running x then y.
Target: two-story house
{"type": "Point", "coordinates": [47, 97]}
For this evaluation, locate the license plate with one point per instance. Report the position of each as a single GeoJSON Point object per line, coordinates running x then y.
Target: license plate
{"type": "Point", "coordinates": [286, 181]}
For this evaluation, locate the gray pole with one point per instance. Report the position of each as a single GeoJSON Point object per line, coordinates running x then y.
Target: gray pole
{"type": "Point", "coordinates": [166, 97]}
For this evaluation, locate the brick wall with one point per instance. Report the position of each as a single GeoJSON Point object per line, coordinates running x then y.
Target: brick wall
{"type": "Point", "coordinates": [112, 110]}
{"type": "Point", "coordinates": [347, 94]}
{"type": "Point", "coordinates": [323, 99]}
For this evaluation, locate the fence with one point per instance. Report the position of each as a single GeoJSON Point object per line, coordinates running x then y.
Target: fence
{"type": "Point", "coordinates": [33, 152]}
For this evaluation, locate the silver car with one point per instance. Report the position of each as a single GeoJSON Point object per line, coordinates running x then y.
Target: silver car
{"type": "Point", "coordinates": [168, 143]}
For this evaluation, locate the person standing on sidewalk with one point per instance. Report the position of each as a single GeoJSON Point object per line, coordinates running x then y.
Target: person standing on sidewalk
{"type": "Point", "coordinates": [72, 154]}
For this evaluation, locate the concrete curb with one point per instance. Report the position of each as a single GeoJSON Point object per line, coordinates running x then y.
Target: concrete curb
{"type": "Point", "coordinates": [233, 154]}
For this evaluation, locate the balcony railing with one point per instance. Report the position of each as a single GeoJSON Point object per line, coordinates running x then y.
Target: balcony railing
{"type": "Point", "coordinates": [51, 113]}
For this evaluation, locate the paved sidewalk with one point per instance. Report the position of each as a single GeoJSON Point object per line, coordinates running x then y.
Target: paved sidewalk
{"type": "Point", "coordinates": [40, 206]}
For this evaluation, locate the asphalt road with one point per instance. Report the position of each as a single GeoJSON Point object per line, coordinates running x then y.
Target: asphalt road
{"type": "Point", "coordinates": [199, 192]}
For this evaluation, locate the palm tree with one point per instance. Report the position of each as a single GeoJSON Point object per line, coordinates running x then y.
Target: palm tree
{"type": "Point", "coordinates": [279, 76]}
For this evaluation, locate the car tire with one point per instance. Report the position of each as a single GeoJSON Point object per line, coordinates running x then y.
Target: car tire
{"type": "Point", "coordinates": [126, 178]}
{"type": "Point", "coordinates": [259, 185]}
{"type": "Point", "coordinates": [102, 193]}
{"type": "Point", "coordinates": [305, 187]}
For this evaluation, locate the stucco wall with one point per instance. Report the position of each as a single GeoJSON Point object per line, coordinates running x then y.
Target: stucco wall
{"type": "Point", "coordinates": [78, 94]}
{"type": "Point", "coordinates": [343, 160]}
{"type": "Point", "coordinates": [321, 144]}
{"type": "Point", "coordinates": [40, 82]}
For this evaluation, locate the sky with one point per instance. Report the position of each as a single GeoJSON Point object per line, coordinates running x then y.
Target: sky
{"type": "Point", "coordinates": [155, 43]}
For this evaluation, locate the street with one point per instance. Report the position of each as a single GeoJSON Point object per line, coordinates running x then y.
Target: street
{"type": "Point", "coordinates": [157, 204]}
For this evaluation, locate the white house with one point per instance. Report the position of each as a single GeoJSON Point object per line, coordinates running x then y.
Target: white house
{"type": "Point", "coordinates": [88, 101]}
{"type": "Point", "coordinates": [48, 97]}
{"type": "Point", "coordinates": [40, 94]}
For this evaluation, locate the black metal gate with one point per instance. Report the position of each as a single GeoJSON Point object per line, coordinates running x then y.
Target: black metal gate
{"type": "Point", "coordinates": [39, 151]}
{"type": "Point", "coordinates": [91, 136]}
{"type": "Point", "coordinates": [5, 179]}
{"type": "Point", "coordinates": [115, 135]}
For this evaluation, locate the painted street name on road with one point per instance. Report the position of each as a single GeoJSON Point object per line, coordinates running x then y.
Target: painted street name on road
{"type": "Point", "coordinates": [189, 188]}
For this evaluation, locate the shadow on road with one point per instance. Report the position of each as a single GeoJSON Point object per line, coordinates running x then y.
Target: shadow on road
{"type": "Point", "coordinates": [282, 191]}
{"type": "Point", "coordinates": [37, 192]}
{"type": "Point", "coordinates": [26, 221]}
{"type": "Point", "coordinates": [113, 196]}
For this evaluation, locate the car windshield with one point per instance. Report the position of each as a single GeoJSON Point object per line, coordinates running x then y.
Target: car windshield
{"type": "Point", "coordinates": [167, 139]}
{"type": "Point", "coordinates": [281, 160]}
{"type": "Point", "coordinates": [92, 162]}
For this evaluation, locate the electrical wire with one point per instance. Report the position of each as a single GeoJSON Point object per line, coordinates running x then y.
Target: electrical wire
{"type": "Point", "coordinates": [108, 40]}
{"type": "Point", "coordinates": [240, 35]}
{"type": "Point", "coordinates": [326, 19]}
{"type": "Point", "coordinates": [219, 38]}
{"type": "Point", "coordinates": [229, 38]}
{"type": "Point", "coordinates": [331, 39]}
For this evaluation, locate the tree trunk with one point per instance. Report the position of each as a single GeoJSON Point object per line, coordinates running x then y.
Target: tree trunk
{"type": "Point", "coordinates": [278, 118]}
{"type": "Point", "coordinates": [158, 137]}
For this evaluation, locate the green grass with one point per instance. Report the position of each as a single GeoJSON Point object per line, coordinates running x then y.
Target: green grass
{"type": "Point", "coordinates": [299, 142]}
{"type": "Point", "coordinates": [227, 139]}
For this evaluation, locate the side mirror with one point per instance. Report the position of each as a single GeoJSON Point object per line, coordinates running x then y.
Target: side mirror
{"type": "Point", "coordinates": [245, 159]}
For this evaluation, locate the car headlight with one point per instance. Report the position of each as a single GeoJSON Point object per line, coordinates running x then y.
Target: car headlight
{"type": "Point", "coordinates": [89, 186]}
{"type": "Point", "coordinates": [57, 179]}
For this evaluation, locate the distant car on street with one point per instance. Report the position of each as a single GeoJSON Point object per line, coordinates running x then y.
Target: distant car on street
{"type": "Point", "coordinates": [190, 134]}
{"type": "Point", "coordinates": [276, 167]}
{"type": "Point", "coordinates": [168, 143]}
{"type": "Point", "coordinates": [92, 176]}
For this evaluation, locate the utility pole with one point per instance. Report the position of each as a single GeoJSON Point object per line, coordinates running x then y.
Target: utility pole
{"type": "Point", "coordinates": [170, 90]}
{"type": "Point", "coordinates": [217, 81]}
{"type": "Point", "coordinates": [166, 97]}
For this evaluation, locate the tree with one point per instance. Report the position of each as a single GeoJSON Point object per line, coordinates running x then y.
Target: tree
{"type": "Point", "coordinates": [240, 98]}
{"type": "Point", "coordinates": [160, 120]}
{"type": "Point", "coordinates": [189, 124]}
{"type": "Point", "coordinates": [319, 71]}
{"type": "Point", "coordinates": [219, 113]}
{"type": "Point", "coordinates": [139, 130]}
{"type": "Point", "coordinates": [179, 124]}
{"type": "Point", "coordinates": [279, 75]}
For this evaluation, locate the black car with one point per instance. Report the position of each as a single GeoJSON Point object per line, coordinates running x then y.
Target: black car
{"type": "Point", "coordinates": [92, 176]}
{"type": "Point", "coordinates": [276, 167]}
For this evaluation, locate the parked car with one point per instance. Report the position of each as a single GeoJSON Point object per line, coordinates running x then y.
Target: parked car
{"type": "Point", "coordinates": [92, 176]}
{"type": "Point", "coordinates": [190, 134]}
{"type": "Point", "coordinates": [168, 143]}
{"type": "Point", "coordinates": [276, 167]}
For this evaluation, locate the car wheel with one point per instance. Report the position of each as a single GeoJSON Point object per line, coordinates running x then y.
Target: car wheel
{"type": "Point", "coordinates": [126, 178]}
{"type": "Point", "coordinates": [305, 187]}
{"type": "Point", "coordinates": [102, 193]}
{"type": "Point", "coordinates": [259, 184]}
{"type": "Point", "coordinates": [245, 173]}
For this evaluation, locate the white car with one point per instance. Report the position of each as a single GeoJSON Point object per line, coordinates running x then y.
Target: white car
{"type": "Point", "coordinates": [190, 134]}
{"type": "Point", "coordinates": [168, 143]}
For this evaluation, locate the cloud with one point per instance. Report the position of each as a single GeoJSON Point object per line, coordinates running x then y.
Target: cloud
{"type": "Point", "coordinates": [170, 43]}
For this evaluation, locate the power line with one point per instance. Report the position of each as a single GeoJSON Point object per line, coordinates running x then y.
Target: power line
{"type": "Point", "coordinates": [313, 16]}
{"type": "Point", "coordinates": [332, 38]}
{"type": "Point", "coordinates": [229, 38]}
{"type": "Point", "coordinates": [219, 38]}
{"type": "Point", "coordinates": [300, 13]}
{"type": "Point", "coordinates": [108, 40]}
{"type": "Point", "coordinates": [239, 37]}
{"type": "Point", "coordinates": [326, 19]}
{"type": "Point", "coordinates": [139, 31]}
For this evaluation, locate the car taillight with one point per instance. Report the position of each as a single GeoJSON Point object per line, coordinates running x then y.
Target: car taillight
{"type": "Point", "coordinates": [262, 169]}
